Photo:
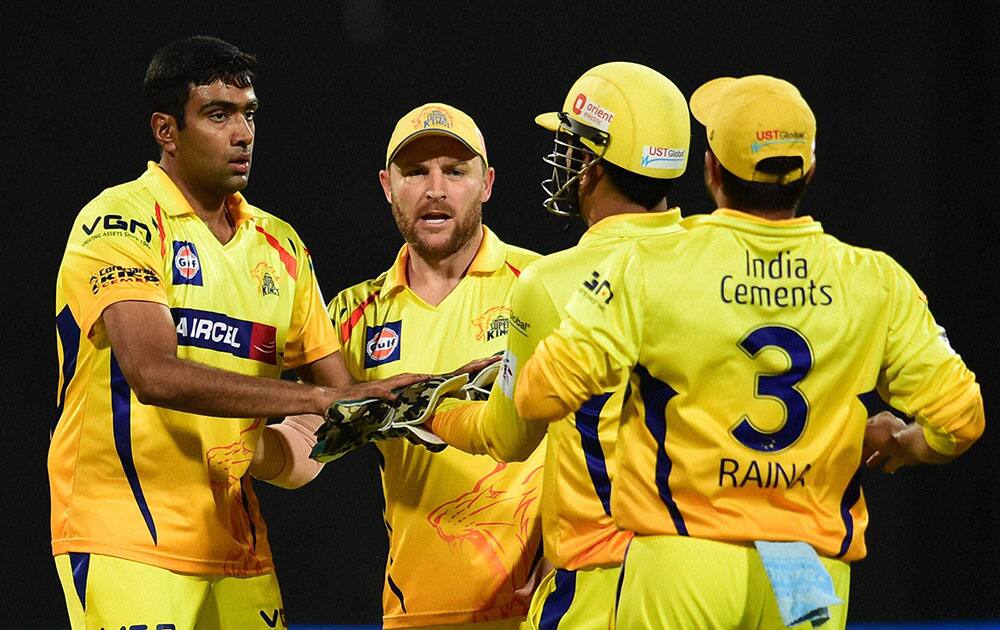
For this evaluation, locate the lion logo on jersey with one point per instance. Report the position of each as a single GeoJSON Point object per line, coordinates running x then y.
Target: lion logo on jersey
{"type": "Point", "coordinates": [500, 504]}
{"type": "Point", "coordinates": [227, 466]}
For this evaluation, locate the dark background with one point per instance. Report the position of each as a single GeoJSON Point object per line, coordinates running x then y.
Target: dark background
{"type": "Point", "coordinates": [907, 102]}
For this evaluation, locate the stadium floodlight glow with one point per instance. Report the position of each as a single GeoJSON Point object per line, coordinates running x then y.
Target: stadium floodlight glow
{"type": "Point", "coordinates": [569, 160]}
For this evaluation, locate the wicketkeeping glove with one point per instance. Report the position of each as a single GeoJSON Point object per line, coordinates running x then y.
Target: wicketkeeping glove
{"type": "Point", "coordinates": [350, 424]}
{"type": "Point", "coordinates": [480, 383]}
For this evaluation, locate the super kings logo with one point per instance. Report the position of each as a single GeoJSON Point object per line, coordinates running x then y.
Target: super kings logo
{"type": "Point", "coordinates": [382, 343]}
{"type": "Point", "coordinates": [432, 117]}
{"type": "Point", "coordinates": [492, 324]}
{"type": "Point", "coordinates": [116, 274]}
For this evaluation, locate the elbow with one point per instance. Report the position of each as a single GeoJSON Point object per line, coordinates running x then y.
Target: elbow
{"type": "Point", "coordinates": [538, 409]}
{"type": "Point", "coordinates": [147, 387]}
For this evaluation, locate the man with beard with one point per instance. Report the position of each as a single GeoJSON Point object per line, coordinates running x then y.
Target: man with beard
{"type": "Point", "coordinates": [443, 303]}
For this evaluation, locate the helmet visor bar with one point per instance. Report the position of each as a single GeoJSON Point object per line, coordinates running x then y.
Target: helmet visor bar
{"type": "Point", "coordinates": [570, 159]}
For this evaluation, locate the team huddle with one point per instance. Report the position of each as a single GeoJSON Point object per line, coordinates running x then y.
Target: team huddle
{"type": "Point", "coordinates": [670, 431]}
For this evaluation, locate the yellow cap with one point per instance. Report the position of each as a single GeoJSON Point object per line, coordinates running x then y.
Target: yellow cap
{"type": "Point", "coordinates": [642, 111]}
{"type": "Point", "coordinates": [436, 119]}
{"type": "Point", "coordinates": [753, 118]}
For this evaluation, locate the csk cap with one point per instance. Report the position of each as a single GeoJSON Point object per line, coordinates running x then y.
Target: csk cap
{"type": "Point", "coordinates": [753, 118]}
{"type": "Point", "coordinates": [642, 111]}
{"type": "Point", "coordinates": [436, 119]}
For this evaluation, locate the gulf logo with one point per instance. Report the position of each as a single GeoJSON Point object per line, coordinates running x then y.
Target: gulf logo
{"type": "Point", "coordinates": [187, 264]}
{"type": "Point", "coordinates": [382, 343]}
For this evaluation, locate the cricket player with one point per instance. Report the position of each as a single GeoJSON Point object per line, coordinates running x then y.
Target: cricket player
{"type": "Point", "coordinates": [751, 338]}
{"type": "Point", "coordinates": [178, 305]}
{"type": "Point", "coordinates": [464, 533]}
{"type": "Point", "coordinates": [621, 139]}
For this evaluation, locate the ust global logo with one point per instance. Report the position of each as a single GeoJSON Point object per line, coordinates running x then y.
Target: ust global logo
{"type": "Point", "coordinates": [187, 265]}
{"type": "Point", "coordinates": [382, 343]}
{"type": "Point", "coordinates": [663, 157]}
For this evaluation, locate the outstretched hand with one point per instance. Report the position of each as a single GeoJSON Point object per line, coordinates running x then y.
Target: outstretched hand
{"type": "Point", "coordinates": [372, 389]}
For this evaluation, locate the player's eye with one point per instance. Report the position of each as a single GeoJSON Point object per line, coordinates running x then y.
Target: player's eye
{"type": "Point", "coordinates": [250, 114]}
{"type": "Point", "coordinates": [217, 116]}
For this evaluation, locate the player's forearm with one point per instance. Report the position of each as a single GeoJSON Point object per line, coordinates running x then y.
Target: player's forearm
{"type": "Point", "coordinates": [184, 385]}
{"type": "Point", "coordinates": [282, 454]}
{"type": "Point", "coordinates": [454, 421]}
{"type": "Point", "coordinates": [486, 428]}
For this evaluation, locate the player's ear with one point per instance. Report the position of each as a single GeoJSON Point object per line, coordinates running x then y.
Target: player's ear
{"type": "Point", "coordinates": [165, 130]}
{"type": "Point", "coordinates": [386, 180]}
{"type": "Point", "coordinates": [812, 171]}
{"type": "Point", "coordinates": [488, 179]}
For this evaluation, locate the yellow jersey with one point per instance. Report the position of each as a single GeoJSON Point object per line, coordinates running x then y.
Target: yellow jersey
{"type": "Point", "coordinates": [463, 529]}
{"type": "Point", "coordinates": [157, 486]}
{"type": "Point", "coordinates": [577, 527]}
{"type": "Point", "coordinates": [753, 343]}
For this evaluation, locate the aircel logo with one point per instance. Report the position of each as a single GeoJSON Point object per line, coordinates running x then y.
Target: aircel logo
{"type": "Point", "coordinates": [219, 332]}
{"type": "Point", "coordinates": [663, 157]}
{"type": "Point", "coordinates": [592, 112]}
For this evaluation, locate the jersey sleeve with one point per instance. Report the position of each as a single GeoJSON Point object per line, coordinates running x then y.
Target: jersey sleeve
{"type": "Point", "coordinates": [110, 257]}
{"type": "Point", "coordinates": [494, 427]}
{"type": "Point", "coordinates": [310, 333]}
{"type": "Point", "coordinates": [585, 355]}
{"type": "Point", "coordinates": [923, 376]}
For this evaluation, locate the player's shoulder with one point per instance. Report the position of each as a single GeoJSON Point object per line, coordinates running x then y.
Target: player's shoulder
{"type": "Point", "coordinates": [271, 223]}
{"type": "Point", "coordinates": [859, 257]}
{"type": "Point", "coordinates": [520, 258]}
{"type": "Point", "coordinates": [356, 298]}
{"type": "Point", "coordinates": [130, 199]}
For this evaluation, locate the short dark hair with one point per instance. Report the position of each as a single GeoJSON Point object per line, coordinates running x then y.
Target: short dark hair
{"type": "Point", "coordinates": [641, 189]}
{"type": "Point", "coordinates": [185, 63]}
{"type": "Point", "coordinates": [765, 196]}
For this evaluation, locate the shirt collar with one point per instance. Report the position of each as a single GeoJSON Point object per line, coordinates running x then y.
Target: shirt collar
{"type": "Point", "coordinates": [172, 201]}
{"type": "Point", "coordinates": [489, 258]}
{"type": "Point", "coordinates": [633, 224]}
{"type": "Point", "coordinates": [753, 223]}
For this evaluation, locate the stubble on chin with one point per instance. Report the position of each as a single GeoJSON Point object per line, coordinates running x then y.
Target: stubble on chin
{"type": "Point", "coordinates": [465, 230]}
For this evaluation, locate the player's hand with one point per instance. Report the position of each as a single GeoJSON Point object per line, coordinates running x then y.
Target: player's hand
{"type": "Point", "coordinates": [527, 590]}
{"type": "Point", "coordinates": [883, 449]}
{"type": "Point", "coordinates": [477, 365]}
{"type": "Point", "coordinates": [368, 390]}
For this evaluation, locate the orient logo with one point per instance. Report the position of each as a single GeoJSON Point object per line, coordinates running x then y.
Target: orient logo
{"type": "Point", "coordinates": [187, 265]}
{"type": "Point", "coordinates": [382, 343]}
{"type": "Point", "coordinates": [593, 113]}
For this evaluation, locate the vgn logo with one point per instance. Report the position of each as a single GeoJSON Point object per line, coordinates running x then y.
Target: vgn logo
{"type": "Point", "coordinates": [382, 343]}
{"type": "Point", "coordinates": [187, 265]}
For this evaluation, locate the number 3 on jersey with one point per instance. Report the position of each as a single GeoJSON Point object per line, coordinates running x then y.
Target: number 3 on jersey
{"type": "Point", "coordinates": [779, 386]}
